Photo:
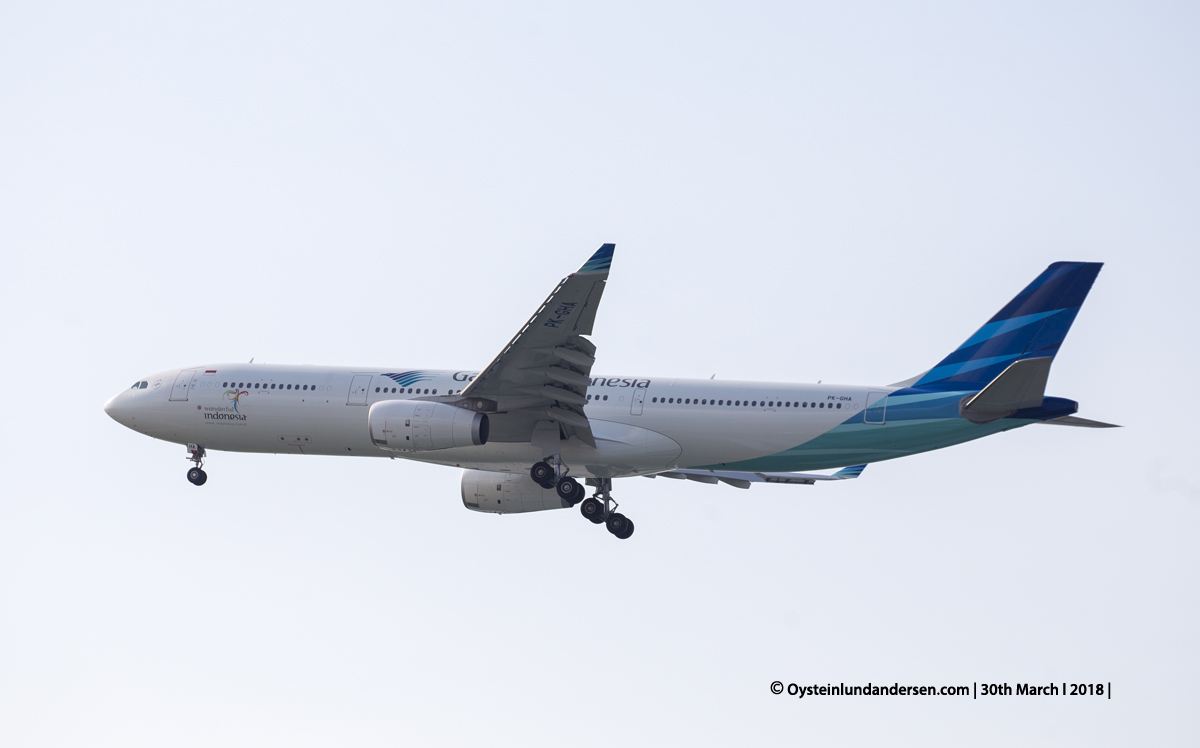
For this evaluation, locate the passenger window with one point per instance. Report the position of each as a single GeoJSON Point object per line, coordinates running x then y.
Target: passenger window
{"type": "Point", "coordinates": [839, 406]}
{"type": "Point", "coordinates": [606, 397]}
{"type": "Point", "coordinates": [739, 402]}
{"type": "Point", "coordinates": [377, 389]}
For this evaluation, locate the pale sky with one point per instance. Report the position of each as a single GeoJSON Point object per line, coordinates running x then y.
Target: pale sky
{"type": "Point", "coordinates": [838, 192]}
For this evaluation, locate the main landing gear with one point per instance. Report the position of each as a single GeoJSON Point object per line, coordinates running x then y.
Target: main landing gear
{"type": "Point", "coordinates": [554, 476]}
{"type": "Point", "coordinates": [601, 509]}
{"type": "Point", "coordinates": [196, 476]}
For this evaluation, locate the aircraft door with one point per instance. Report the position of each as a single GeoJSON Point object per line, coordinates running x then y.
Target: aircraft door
{"type": "Point", "coordinates": [183, 384]}
{"type": "Point", "coordinates": [639, 399]}
{"type": "Point", "coordinates": [876, 411]}
{"type": "Point", "coordinates": [359, 386]}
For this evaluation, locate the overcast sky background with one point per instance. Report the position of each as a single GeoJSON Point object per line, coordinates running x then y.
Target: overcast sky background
{"type": "Point", "coordinates": [797, 193]}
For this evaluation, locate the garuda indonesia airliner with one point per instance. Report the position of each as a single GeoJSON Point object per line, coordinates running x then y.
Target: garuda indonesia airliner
{"type": "Point", "coordinates": [532, 422]}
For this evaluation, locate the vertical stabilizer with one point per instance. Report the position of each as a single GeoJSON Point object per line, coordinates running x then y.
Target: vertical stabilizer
{"type": "Point", "coordinates": [1032, 325]}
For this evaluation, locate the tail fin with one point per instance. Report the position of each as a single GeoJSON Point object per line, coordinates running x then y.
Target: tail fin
{"type": "Point", "coordinates": [1032, 325]}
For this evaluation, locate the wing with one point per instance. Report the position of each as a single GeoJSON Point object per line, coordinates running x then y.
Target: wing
{"type": "Point", "coordinates": [743, 480]}
{"type": "Point", "coordinates": [544, 371]}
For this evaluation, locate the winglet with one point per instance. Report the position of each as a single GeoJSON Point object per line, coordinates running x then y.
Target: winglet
{"type": "Point", "coordinates": [850, 472]}
{"type": "Point", "coordinates": [601, 261]}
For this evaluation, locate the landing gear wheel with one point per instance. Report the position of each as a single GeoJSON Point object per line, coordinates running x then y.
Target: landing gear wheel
{"type": "Point", "coordinates": [542, 474]}
{"type": "Point", "coordinates": [592, 510]}
{"type": "Point", "coordinates": [580, 492]}
{"type": "Point", "coordinates": [197, 476]}
{"type": "Point", "coordinates": [619, 525]}
{"type": "Point", "coordinates": [568, 489]}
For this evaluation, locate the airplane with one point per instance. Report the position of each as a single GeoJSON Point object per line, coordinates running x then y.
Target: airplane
{"type": "Point", "coordinates": [528, 425]}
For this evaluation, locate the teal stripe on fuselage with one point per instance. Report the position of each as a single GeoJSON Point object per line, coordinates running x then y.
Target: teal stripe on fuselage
{"type": "Point", "coordinates": [895, 400]}
{"type": "Point", "coordinates": [854, 443]}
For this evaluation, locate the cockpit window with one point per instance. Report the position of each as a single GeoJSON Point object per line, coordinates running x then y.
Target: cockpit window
{"type": "Point", "coordinates": [135, 385]}
{"type": "Point", "coordinates": [143, 385]}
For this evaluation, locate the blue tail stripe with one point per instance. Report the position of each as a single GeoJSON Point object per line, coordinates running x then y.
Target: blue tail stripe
{"type": "Point", "coordinates": [992, 329]}
{"type": "Point", "coordinates": [947, 371]}
{"type": "Point", "coordinates": [1034, 324]}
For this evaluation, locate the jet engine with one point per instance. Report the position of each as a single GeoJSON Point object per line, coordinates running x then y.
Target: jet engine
{"type": "Point", "coordinates": [421, 426]}
{"type": "Point", "coordinates": [506, 493]}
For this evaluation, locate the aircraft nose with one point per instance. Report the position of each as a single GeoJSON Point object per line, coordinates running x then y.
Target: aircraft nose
{"type": "Point", "coordinates": [117, 410]}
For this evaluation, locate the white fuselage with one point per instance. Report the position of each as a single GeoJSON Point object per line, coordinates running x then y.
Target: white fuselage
{"type": "Point", "coordinates": [641, 425]}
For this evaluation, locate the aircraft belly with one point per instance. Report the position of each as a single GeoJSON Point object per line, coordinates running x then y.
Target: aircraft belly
{"type": "Point", "coordinates": [621, 449]}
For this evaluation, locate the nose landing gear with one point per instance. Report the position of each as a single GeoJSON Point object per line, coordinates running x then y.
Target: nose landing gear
{"type": "Point", "coordinates": [196, 476]}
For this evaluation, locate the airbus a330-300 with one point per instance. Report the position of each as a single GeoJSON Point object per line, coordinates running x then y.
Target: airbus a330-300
{"type": "Point", "coordinates": [532, 423]}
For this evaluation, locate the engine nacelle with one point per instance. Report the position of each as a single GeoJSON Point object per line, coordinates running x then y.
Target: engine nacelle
{"type": "Point", "coordinates": [506, 493]}
{"type": "Point", "coordinates": [421, 426]}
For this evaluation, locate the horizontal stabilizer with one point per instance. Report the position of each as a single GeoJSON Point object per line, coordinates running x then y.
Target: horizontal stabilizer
{"type": "Point", "coordinates": [1021, 385]}
{"type": "Point", "coordinates": [1080, 422]}
{"type": "Point", "coordinates": [740, 479]}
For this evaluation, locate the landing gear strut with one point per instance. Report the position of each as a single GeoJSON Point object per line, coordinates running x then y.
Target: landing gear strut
{"type": "Point", "coordinates": [196, 476]}
{"type": "Point", "coordinates": [601, 509]}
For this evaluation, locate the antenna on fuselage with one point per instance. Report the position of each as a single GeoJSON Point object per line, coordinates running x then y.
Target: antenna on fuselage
{"type": "Point", "coordinates": [251, 360]}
